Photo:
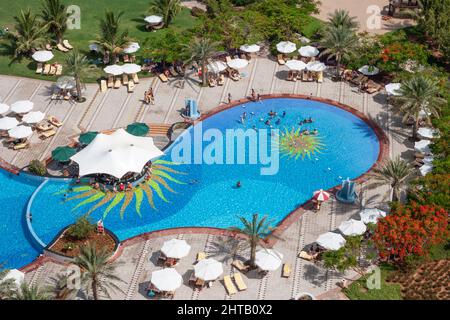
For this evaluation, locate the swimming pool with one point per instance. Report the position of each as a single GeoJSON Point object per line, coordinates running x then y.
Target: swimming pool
{"type": "Point", "coordinates": [200, 195]}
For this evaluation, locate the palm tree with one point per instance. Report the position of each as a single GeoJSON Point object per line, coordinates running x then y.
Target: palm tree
{"type": "Point", "coordinates": [111, 38]}
{"type": "Point", "coordinates": [7, 287]}
{"type": "Point", "coordinates": [167, 9]}
{"type": "Point", "coordinates": [392, 172]}
{"type": "Point", "coordinates": [201, 50]}
{"type": "Point", "coordinates": [339, 43]}
{"type": "Point", "coordinates": [32, 292]}
{"type": "Point", "coordinates": [341, 18]}
{"type": "Point", "coordinates": [255, 230]}
{"type": "Point", "coordinates": [54, 14]}
{"type": "Point", "coordinates": [417, 94]}
{"type": "Point", "coordinates": [29, 34]}
{"type": "Point", "coordinates": [97, 273]}
{"type": "Point", "coordinates": [77, 65]}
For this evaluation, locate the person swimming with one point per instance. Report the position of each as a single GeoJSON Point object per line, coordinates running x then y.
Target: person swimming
{"type": "Point", "coordinates": [278, 121]}
{"type": "Point", "coordinates": [267, 123]}
{"type": "Point", "coordinates": [315, 131]}
{"type": "Point", "coordinates": [238, 184]}
{"type": "Point", "coordinates": [283, 114]}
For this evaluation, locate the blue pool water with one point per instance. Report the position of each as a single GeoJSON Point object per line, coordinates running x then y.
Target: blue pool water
{"type": "Point", "coordinates": [209, 197]}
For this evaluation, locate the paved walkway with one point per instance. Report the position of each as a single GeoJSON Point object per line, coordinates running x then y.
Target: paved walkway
{"type": "Point", "coordinates": [116, 108]}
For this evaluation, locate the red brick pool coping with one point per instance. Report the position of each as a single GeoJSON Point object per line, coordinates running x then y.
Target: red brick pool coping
{"type": "Point", "coordinates": [283, 224]}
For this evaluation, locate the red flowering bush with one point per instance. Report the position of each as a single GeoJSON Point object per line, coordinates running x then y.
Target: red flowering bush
{"type": "Point", "coordinates": [410, 231]}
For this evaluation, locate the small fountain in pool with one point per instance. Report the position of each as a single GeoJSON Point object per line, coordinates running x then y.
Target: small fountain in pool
{"type": "Point", "coordinates": [191, 110]}
{"type": "Point", "coordinates": [347, 193]}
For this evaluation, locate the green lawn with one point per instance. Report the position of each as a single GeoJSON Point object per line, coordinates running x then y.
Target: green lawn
{"type": "Point", "coordinates": [91, 12]}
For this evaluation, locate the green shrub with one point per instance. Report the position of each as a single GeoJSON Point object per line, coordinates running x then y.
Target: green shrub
{"type": "Point", "coordinates": [197, 12]}
{"type": "Point", "coordinates": [81, 228]}
{"type": "Point", "coordinates": [69, 246]}
{"type": "Point", "coordinates": [37, 167]}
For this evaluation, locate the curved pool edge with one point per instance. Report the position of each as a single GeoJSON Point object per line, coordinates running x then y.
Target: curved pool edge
{"type": "Point", "coordinates": [28, 215]}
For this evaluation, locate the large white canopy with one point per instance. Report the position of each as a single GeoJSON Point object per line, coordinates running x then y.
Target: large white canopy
{"type": "Point", "coordinates": [22, 106]}
{"type": "Point", "coordinates": [7, 123]}
{"type": "Point", "coordinates": [296, 65]}
{"type": "Point", "coordinates": [369, 70]}
{"type": "Point", "coordinates": [308, 51]}
{"type": "Point", "coordinates": [3, 108]}
{"type": "Point", "coordinates": [331, 241]}
{"type": "Point", "coordinates": [42, 56]}
{"type": "Point", "coordinates": [208, 269]}
{"type": "Point", "coordinates": [316, 66]}
{"type": "Point", "coordinates": [132, 48]}
{"type": "Point", "coordinates": [166, 279]}
{"type": "Point", "coordinates": [286, 47]}
{"type": "Point", "coordinates": [392, 88]}
{"type": "Point", "coordinates": [427, 133]}
{"type": "Point", "coordinates": [371, 215]}
{"type": "Point", "coordinates": [16, 275]}
{"type": "Point", "coordinates": [216, 66]}
{"type": "Point", "coordinates": [238, 63]}
{"type": "Point", "coordinates": [250, 48]}
{"type": "Point", "coordinates": [422, 146]}
{"type": "Point", "coordinates": [114, 69]}
{"type": "Point", "coordinates": [33, 117]}
{"type": "Point", "coordinates": [130, 68]}
{"type": "Point", "coordinates": [20, 132]}
{"type": "Point", "coordinates": [426, 168]}
{"type": "Point", "coordinates": [116, 154]}
{"type": "Point", "coordinates": [175, 248]}
{"type": "Point", "coordinates": [153, 19]}
{"type": "Point", "coordinates": [352, 227]}
{"type": "Point", "coordinates": [268, 259]}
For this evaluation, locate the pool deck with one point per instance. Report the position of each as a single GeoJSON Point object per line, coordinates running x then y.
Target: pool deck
{"type": "Point", "coordinates": [117, 108]}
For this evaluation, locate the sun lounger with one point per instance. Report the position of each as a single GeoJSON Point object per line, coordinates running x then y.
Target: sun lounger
{"type": "Point", "coordinates": [52, 70]}
{"type": "Point", "coordinates": [238, 264]}
{"type": "Point", "coordinates": [20, 146]}
{"type": "Point", "coordinates": [199, 282]}
{"type": "Point", "coordinates": [231, 289]}
{"type": "Point", "coordinates": [135, 78]}
{"type": "Point", "coordinates": [280, 59]}
{"type": "Point", "coordinates": [39, 68]}
{"type": "Point", "coordinates": [117, 83]}
{"type": "Point", "coordinates": [221, 80]}
{"type": "Point", "coordinates": [110, 83]}
{"type": "Point", "coordinates": [44, 126]}
{"type": "Point", "coordinates": [320, 77]}
{"type": "Point", "coordinates": [61, 48]}
{"type": "Point", "coordinates": [130, 86]}
{"type": "Point", "coordinates": [103, 86]}
{"type": "Point", "coordinates": [286, 270]}
{"type": "Point", "coordinates": [305, 255]}
{"type": "Point", "coordinates": [54, 121]}
{"type": "Point", "coordinates": [124, 79]}
{"type": "Point", "coordinates": [419, 155]}
{"type": "Point", "coordinates": [46, 69]}
{"type": "Point", "coordinates": [48, 47]}
{"type": "Point", "coordinates": [201, 256]}
{"type": "Point", "coordinates": [126, 58]}
{"type": "Point", "coordinates": [59, 68]}
{"type": "Point", "coordinates": [212, 82]}
{"type": "Point", "coordinates": [67, 44]}
{"type": "Point", "coordinates": [163, 77]}
{"type": "Point", "coordinates": [290, 76]}
{"type": "Point", "coordinates": [239, 282]}
{"type": "Point", "coordinates": [372, 87]}
{"type": "Point", "coordinates": [47, 134]}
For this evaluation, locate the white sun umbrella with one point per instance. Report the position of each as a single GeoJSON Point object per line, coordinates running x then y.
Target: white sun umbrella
{"type": "Point", "coordinates": [22, 106]}
{"type": "Point", "coordinates": [369, 70]}
{"type": "Point", "coordinates": [175, 248]}
{"type": "Point", "coordinates": [304, 39]}
{"type": "Point", "coordinates": [422, 146]}
{"type": "Point", "coordinates": [426, 168]}
{"type": "Point", "coordinates": [20, 132]}
{"type": "Point", "coordinates": [308, 51]}
{"type": "Point", "coordinates": [392, 89]}
{"type": "Point", "coordinates": [130, 68]}
{"type": "Point", "coordinates": [428, 159]}
{"type": "Point", "coordinates": [33, 117]}
{"type": "Point", "coordinates": [66, 82]}
{"type": "Point", "coordinates": [114, 69]}
{"type": "Point", "coordinates": [423, 113]}
{"type": "Point", "coordinates": [296, 65]}
{"type": "Point", "coordinates": [116, 154]}
{"type": "Point", "coordinates": [427, 133]}
{"type": "Point", "coordinates": [371, 215]}
{"type": "Point", "coordinates": [7, 123]}
{"type": "Point", "coordinates": [286, 47]}
{"type": "Point", "coordinates": [132, 48]}
{"type": "Point", "coordinates": [316, 66]}
{"type": "Point", "coordinates": [42, 56]}
{"type": "Point", "coordinates": [216, 66]}
{"type": "Point", "coordinates": [331, 241]}
{"type": "Point", "coordinates": [268, 259]}
{"type": "Point", "coordinates": [250, 48]}
{"type": "Point", "coordinates": [208, 269]}
{"type": "Point", "coordinates": [352, 227]}
{"type": "Point", "coordinates": [153, 19]}
{"type": "Point", "coordinates": [3, 108]}
{"type": "Point", "coordinates": [16, 275]}
{"type": "Point", "coordinates": [238, 63]}
{"type": "Point", "coordinates": [167, 279]}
